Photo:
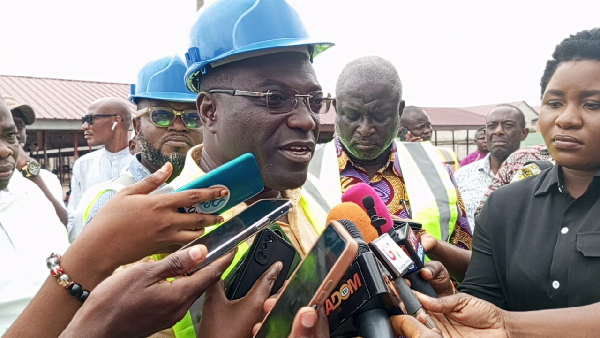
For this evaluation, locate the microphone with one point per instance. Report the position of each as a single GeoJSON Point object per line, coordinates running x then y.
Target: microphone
{"type": "Point", "coordinates": [404, 236]}
{"type": "Point", "coordinates": [376, 209]}
{"type": "Point", "coordinates": [362, 298]}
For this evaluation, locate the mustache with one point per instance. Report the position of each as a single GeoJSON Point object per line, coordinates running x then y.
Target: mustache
{"type": "Point", "coordinates": [374, 139]}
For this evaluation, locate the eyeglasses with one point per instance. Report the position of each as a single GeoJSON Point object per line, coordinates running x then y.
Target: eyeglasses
{"type": "Point", "coordinates": [90, 118]}
{"type": "Point", "coordinates": [165, 117]}
{"type": "Point", "coordinates": [279, 102]}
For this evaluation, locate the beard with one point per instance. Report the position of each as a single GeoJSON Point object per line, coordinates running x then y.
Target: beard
{"type": "Point", "coordinates": [156, 157]}
{"type": "Point", "coordinates": [380, 146]}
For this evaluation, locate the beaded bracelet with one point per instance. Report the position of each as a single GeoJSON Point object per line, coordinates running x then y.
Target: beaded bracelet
{"type": "Point", "coordinates": [53, 263]}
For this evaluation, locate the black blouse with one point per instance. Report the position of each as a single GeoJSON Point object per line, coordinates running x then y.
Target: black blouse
{"type": "Point", "coordinates": [535, 247]}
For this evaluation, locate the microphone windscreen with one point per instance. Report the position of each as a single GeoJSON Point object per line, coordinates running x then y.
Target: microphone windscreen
{"type": "Point", "coordinates": [358, 192]}
{"type": "Point", "coordinates": [355, 233]}
{"type": "Point", "coordinates": [354, 213]}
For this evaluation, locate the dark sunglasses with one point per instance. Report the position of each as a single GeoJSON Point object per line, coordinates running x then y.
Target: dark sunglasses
{"type": "Point", "coordinates": [90, 118]}
{"type": "Point", "coordinates": [165, 117]}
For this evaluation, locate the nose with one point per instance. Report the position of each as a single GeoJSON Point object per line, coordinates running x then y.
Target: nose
{"type": "Point", "coordinates": [301, 118]}
{"type": "Point", "coordinates": [569, 118]}
{"type": "Point", "coordinates": [365, 128]}
{"type": "Point", "coordinates": [498, 130]}
{"type": "Point", "coordinates": [178, 125]}
{"type": "Point", "coordinates": [5, 150]}
{"type": "Point", "coordinates": [85, 126]}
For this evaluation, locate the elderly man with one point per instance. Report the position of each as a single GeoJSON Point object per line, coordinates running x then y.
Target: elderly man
{"type": "Point", "coordinates": [107, 123]}
{"type": "Point", "coordinates": [480, 152]}
{"type": "Point", "coordinates": [415, 126]}
{"type": "Point", "coordinates": [505, 129]}
{"type": "Point", "coordinates": [369, 105]}
{"type": "Point", "coordinates": [29, 228]}
{"type": "Point", "coordinates": [24, 115]}
{"type": "Point", "coordinates": [161, 135]}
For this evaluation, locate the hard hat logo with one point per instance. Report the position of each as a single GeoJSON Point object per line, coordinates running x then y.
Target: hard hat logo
{"type": "Point", "coordinates": [233, 30]}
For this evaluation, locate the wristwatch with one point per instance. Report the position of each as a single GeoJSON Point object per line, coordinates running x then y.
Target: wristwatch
{"type": "Point", "coordinates": [31, 168]}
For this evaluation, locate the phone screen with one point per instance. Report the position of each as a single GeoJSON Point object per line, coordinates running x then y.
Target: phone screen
{"type": "Point", "coordinates": [231, 233]}
{"type": "Point", "coordinates": [301, 289]}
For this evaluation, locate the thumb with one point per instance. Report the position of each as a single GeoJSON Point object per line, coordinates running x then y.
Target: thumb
{"type": "Point", "coordinates": [305, 324]}
{"type": "Point", "coordinates": [180, 262]}
{"type": "Point", "coordinates": [408, 326]}
{"type": "Point", "coordinates": [150, 183]}
{"type": "Point", "coordinates": [261, 290]}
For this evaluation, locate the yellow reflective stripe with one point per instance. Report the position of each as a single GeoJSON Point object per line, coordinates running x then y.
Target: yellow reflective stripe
{"type": "Point", "coordinates": [185, 327]}
{"type": "Point", "coordinates": [315, 214]}
{"type": "Point", "coordinates": [423, 202]}
{"type": "Point", "coordinates": [89, 207]}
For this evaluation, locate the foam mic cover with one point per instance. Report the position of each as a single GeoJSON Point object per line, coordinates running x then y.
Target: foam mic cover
{"type": "Point", "coordinates": [358, 192]}
{"type": "Point", "coordinates": [352, 212]}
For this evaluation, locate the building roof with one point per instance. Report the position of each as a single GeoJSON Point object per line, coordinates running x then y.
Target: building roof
{"type": "Point", "coordinates": [58, 98]}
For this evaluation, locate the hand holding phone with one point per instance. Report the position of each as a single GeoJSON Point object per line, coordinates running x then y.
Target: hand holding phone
{"type": "Point", "coordinates": [313, 280]}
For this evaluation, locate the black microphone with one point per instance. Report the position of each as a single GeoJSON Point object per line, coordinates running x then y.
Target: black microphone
{"type": "Point", "coordinates": [364, 298]}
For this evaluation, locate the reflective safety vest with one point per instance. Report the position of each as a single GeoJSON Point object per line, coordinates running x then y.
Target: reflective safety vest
{"type": "Point", "coordinates": [315, 206]}
{"type": "Point", "coordinates": [449, 157]}
{"type": "Point", "coordinates": [431, 193]}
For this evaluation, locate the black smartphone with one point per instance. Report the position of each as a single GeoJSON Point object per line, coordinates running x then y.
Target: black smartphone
{"type": "Point", "coordinates": [236, 230]}
{"type": "Point", "coordinates": [268, 248]}
{"type": "Point", "coordinates": [402, 134]}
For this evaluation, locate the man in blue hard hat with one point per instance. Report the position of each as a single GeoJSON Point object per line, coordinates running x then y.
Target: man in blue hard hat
{"type": "Point", "coordinates": [166, 125]}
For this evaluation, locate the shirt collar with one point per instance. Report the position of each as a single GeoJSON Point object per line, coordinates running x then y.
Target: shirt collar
{"type": "Point", "coordinates": [344, 159]}
{"type": "Point", "coordinates": [554, 180]}
{"type": "Point", "coordinates": [137, 169]}
{"type": "Point", "coordinates": [484, 164]}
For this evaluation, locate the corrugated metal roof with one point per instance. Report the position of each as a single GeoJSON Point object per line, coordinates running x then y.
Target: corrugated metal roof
{"type": "Point", "coordinates": [59, 98]}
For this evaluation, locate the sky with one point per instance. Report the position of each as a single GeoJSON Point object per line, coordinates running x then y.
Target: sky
{"type": "Point", "coordinates": [448, 53]}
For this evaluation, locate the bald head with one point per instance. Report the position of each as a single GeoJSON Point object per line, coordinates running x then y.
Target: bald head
{"type": "Point", "coordinates": [369, 70]}
{"type": "Point", "coordinates": [112, 106]}
{"type": "Point", "coordinates": [417, 121]}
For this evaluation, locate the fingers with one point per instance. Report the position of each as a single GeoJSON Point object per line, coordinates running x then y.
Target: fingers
{"type": "Point", "coordinates": [183, 222]}
{"type": "Point", "coordinates": [261, 290]}
{"type": "Point", "coordinates": [269, 304]}
{"type": "Point", "coordinates": [438, 277]}
{"type": "Point", "coordinates": [305, 324]}
{"type": "Point", "coordinates": [178, 263]}
{"type": "Point", "coordinates": [196, 284]}
{"type": "Point", "coordinates": [411, 327]}
{"type": "Point", "coordinates": [443, 304]}
{"type": "Point", "coordinates": [192, 197]}
{"type": "Point", "coordinates": [150, 183]}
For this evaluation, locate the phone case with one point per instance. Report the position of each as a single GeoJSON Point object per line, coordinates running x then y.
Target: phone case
{"type": "Point", "coordinates": [323, 291]}
{"type": "Point", "coordinates": [241, 177]}
{"type": "Point", "coordinates": [268, 248]}
{"type": "Point", "coordinates": [230, 234]}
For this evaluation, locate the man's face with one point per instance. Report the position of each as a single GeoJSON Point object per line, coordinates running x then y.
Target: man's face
{"type": "Point", "coordinates": [9, 146]}
{"type": "Point", "coordinates": [481, 142]}
{"type": "Point", "coordinates": [419, 125]}
{"type": "Point", "coordinates": [367, 119]}
{"type": "Point", "coordinates": [99, 132]}
{"type": "Point", "coordinates": [20, 123]}
{"type": "Point", "coordinates": [159, 145]}
{"type": "Point", "coordinates": [570, 115]}
{"type": "Point", "coordinates": [504, 132]}
{"type": "Point", "coordinates": [283, 143]}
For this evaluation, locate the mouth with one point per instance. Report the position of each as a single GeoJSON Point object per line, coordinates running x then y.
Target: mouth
{"type": "Point", "coordinates": [566, 142]}
{"type": "Point", "coordinates": [87, 135]}
{"type": "Point", "coordinates": [6, 170]}
{"type": "Point", "coordinates": [299, 152]}
{"type": "Point", "coordinates": [178, 141]}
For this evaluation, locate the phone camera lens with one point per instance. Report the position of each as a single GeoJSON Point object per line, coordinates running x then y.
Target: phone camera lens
{"type": "Point", "coordinates": [263, 246]}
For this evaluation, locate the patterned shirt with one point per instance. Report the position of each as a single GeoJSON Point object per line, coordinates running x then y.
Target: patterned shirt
{"type": "Point", "coordinates": [473, 181]}
{"type": "Point", "coordinates": [388, 182]}
{"type": "Point", "coordinates": [514, 163]}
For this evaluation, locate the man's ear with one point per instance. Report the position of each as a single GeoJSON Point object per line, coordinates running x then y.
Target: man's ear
{"type": "Point", "coordinates": [401, 108]}
{"type": "Point", "coordinates": [207, 109]}
{"type": "Point", "coordinates": [136, 125]}
{"type": "Point", "coordinates": [525, 133]}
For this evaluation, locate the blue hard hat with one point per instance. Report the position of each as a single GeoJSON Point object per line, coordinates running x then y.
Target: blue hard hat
{"type": "Point", "coordinates": [162, 79]}
{"type": "Point", "coordinates": [229, 28]}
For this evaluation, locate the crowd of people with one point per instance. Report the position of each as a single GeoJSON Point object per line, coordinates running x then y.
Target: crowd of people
{"type": "Point", "coordinates": [511, 235]}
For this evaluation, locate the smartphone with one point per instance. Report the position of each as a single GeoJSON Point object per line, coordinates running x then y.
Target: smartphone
{"type": "Point", "coordinates": [268, 247]}
{"type": "Point", "coordinates": [240, 176]}
{"type": "Point", "coordinates": [236, 230]}
{"type": "Point", "coordinates": [313, 281]}
{"type": "Point", "coordinates": [403, 133]}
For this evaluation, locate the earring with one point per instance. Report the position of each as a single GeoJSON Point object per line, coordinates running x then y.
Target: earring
{"type": "Point", "coordinates": [114, 125]}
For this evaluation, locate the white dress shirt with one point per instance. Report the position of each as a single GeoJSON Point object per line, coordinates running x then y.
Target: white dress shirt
{"type": "Point", "coordinates": [30, 231]}
{"type": "Point", "coordinates": [92, 168]}
{"type": "Point", "coordinates": [473, 182]}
